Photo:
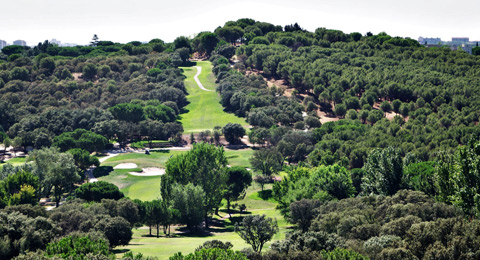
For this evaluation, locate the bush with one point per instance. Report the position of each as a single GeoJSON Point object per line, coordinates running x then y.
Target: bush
{"type": "Point", "coordinates": [97, 191]}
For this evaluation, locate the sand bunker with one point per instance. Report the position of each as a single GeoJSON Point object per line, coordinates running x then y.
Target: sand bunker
{"type": "Point", "coordinates": [126, 166]}
{"type": "Point", "coordinates": [151, 171]}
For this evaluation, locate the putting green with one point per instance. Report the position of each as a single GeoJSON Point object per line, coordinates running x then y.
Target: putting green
{"type": "Point", "coordinates": [204, 111]}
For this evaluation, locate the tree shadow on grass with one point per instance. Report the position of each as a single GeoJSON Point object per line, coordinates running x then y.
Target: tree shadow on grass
{"type": "Point", "coordinates": [121, 251]}
{"type": "Point", "coordinates": [265, 194]}
{"type": "Point", "coordinates": [102, 171]}
{"type": "Point", "coordinates": [235, 211]}
{"type": "Point", "coordinates": [160, 151]}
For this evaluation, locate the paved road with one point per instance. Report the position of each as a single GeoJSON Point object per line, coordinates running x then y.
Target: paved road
{"type": "Point", "coordinates": [199, 70]}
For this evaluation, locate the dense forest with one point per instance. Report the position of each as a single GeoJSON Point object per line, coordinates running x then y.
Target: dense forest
{"type": "Point", "coordinates": [376, 139]}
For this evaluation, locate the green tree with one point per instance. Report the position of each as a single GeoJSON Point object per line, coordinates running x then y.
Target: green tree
{"type": "Point", "coordinates": [117, 230]}
{"type": "Point", "coordinates": [238, 181]}
{"type": "Point", "coordinates": [129, 112]}
{"type": "Point", "coordinates": [189, 201]}
{"type": "Point", "coordinates": [78, 247]}
{"type": "Point", "coordinates": [97, 191]}
{"type": "Point", "coordinates": [340, 110]}
{"type": "Point", "coordinates": [19, 188]}
{"type": "Point", "coordinates": [82, 158]}
{"type": "Point", "coordinates": [55, 170]}
{"type": "Point", "coordinates": [89, 72]}
{"type": "Point", "coordinates": [209, 41]}
{"type": "Point", "coordinates": [204, 165]}
{"type": "Point", "coordinates": [256, 230]}
{"type": "Point", "coordinates": [267, 161]}
{"type": "Point", "coordinates": [210, 253]}
{"type": "Point", "coordinates": [182, 42]}
{"type": "Point", "coordinates": [233, 133]}
{"type": "Point", "coordinates": [302, 213]}
{"type": "Point", "coordinates": [383, 172]}
{"type": "Point", "coordinates": [17, 143]}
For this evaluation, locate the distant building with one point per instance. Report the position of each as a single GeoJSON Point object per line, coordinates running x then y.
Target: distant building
{"type": "Point", "coordinates": [460, 39]}
{"type": "Point", "coordinates": [2, 44]}
{"type": "Point", "coordinates": [20, 42]}
{"type": "Point", "coordinates": [429, 41]}
{"type": "Point", "coordinates": [55, 41]}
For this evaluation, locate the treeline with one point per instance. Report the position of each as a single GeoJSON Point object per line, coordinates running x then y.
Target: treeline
{"type": "Point", "coordinates": [395, 91]}
{"type": "Point", "coordinates": [45, 96]}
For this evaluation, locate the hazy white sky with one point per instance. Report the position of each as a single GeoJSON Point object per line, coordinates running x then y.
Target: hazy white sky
{"type": "Point", "coordinates": [143, 20]}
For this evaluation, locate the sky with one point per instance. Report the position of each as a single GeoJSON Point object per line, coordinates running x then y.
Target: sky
{"type": "Point", "coordinates": [142, 20]}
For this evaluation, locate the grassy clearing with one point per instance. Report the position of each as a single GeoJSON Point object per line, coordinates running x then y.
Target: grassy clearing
{"type": "Point", "coordinates": [204, 111]}
{"type": "Point", "coordinates": [239, 157]}
{"type": "Point", "coordinates": [14, 161]}
{"type": "Point", "coordinates": [164, 247]}
{"type": "Point", "coordinates": [148, 187]}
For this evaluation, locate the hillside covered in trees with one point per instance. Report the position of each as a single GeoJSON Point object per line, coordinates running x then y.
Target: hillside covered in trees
{"type": "Point", "coordinates": [368, 145]}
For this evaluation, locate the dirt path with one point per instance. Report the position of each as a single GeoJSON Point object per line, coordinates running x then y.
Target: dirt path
{"type": "Point", "coordinates": [199, 71]}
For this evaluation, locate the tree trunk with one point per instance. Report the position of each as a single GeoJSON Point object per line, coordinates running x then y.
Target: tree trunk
{"type": "Point", "coordinates": [206, 220]}
{"type": "Point", "coordinates": [158, 232]}
{"type": "Point", "coordinates": [150, 229]}
{"type": "Point", "coordinates": [228, 208]}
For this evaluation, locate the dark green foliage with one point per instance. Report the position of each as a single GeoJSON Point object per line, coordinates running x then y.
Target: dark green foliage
{"type": "Point", "coordinates": [97, 191]}
{"type": "Point", "coordinates": [383, 172]}
{"type": "Point", "coordinates": [13, 49]}
{"type": "Point", "coordinates": [21, 233]}
{"type": "Point", "coordinates": [78, 247]}
{"type": "Point", "coordinates": [210, 253]}
{"type": "Point", "coordinates": [182, 42]}
{"type": "Point", "coordinates": [117, 230]}
{"type": "Point", "coordinates": [408, 223]}
{"type": "Point", "coordinates": [80, 138]}
{"type": "Point", "coordinates": [129, 112]}
{"type": "Point", "coordinates": [239, 179]}
{"type": "Point", "coordinates": [267, 161]}
{"type": "Point", "coordinates": [82, 158]}
{"type": "Point", "coordinates": [203, 166]}
{"type": "Point", "coordinates": [421, 177]}
{"type": "Point", "coordinates": [321, 183]}
{"type": "Point", "coordinates": [89, 72]}
{"type": "Point", "coordinates": [189, 201]}
{"type": "Point", "coordinates": [302, 213]}
{"type": "Point", "coordinates": [233, 133]}
{"type": "Point", "coordinates": [215, 244]}
{"type": "Point", "coordinates": [256, 230]}
{"type": "Point", "coordinates": [21, 187]}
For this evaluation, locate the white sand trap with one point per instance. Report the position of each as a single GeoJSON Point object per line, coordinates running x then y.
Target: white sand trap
{"type": "Point", "coordinates": [126, 166]}
{"type": "Point", "coordinates": [151, 171]}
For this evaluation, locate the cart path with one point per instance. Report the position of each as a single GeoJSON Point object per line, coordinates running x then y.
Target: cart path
{"type": "Point", "coordinates": [199, 71]}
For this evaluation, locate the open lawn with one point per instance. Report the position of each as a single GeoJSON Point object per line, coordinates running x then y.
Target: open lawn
{"type": "Point", "coordinates": [14, 161]}
{"type": "Point", "coordinates": [164, 247]}
{"type": "Point", "coordinates": [204, 110]}
{"type": "Point", "coordinates": [239, 157]}
{"type": "Point", "coordinates": [148, 187]}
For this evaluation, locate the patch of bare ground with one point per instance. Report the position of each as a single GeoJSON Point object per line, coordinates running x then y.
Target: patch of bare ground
{"type": "Point", "coordinates": [77, 75]}
{"type": "Point", "coordinates": [389, 115]}
{"type": "Point", "coordinates": [324, 117]}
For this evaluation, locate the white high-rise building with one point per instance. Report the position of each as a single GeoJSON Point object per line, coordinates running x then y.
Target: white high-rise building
{"type": "Point", "coordinates": [2, 44]}
{"type": "Point", "coordinates": [20, 42]}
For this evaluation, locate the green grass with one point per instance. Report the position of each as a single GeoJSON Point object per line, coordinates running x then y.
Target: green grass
{"type": "Point", "coordinates": [148, 188]}
{"type": "Point", "coordinates": [239, 157]}
{"type": "Point", "coordinates": [164, 247]}
{"type": "Point", "coordinates": [204, 111]}
{"type": "Point", "coordinates": [15, 161]}
{"type": "Point", "coordinates": [144, 144]}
